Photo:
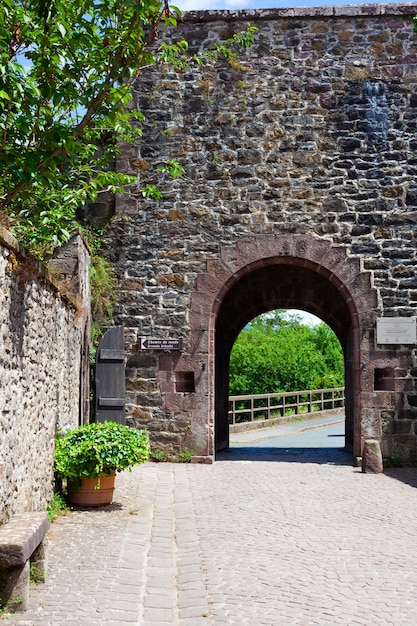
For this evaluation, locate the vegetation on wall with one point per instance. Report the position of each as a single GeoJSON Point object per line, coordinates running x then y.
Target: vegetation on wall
{"type": "Point", "coordinates": [274, 353]}
{"type": "Point", "coordinates": [103, 288]}
{"type": "Point", "coordinates": [66, 75]}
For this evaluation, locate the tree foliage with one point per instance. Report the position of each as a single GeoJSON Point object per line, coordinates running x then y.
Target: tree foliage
{"type": "Point", "coordinates": [278, 354]}
{"type": "Point", "coordinates": [66, 72]}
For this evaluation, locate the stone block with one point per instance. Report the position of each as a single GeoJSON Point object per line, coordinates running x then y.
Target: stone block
{"type": "Point", "coordinates": [199, 342]}
{"type": "Point", "coordinates": [167, 387]}
{"type": "Point", "coordinates": [370, 423]}
{"type": "Point", "coordinates": [201, 302]}
{"type": "Point", "coordinates": [254, 249]}
{"type": "Point", "coordinates": [283, 246]}
{"type": "Point", "coordinates": [372, 457]}
{"type": "Point", "coordinates": [174, 402]}
{"type": "Point", "coordinates": [14, 588]}
{"type": "Point", "coordinates": [217, 269]}
{"type": "Point", "coordinates": [403, 427]}
{"type": "Point", "coordinates": [168, 362]}
{"type": "Point", "coordinates": [209, 285]}
{"type": "Point", "coordinates": [198, 321]}
{"type": "Point", "coordinates": [22, 540]}
{"type": "Point", "coordinates": [20, 537]}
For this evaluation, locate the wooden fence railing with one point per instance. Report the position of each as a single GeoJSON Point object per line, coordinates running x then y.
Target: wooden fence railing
{"type": "Point", "coordinates": [284, 404]}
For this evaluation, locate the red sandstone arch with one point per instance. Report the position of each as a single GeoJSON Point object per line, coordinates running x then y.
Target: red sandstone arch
{"type": "Point", "coordinates": [303, 271]}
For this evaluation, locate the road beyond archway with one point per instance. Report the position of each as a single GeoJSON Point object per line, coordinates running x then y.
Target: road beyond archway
{"type": "Point", "coordinates": [302, 441]}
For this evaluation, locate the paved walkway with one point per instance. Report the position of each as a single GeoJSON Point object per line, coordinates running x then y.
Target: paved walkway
{"type": "Point", "coordinates": [306, 540]}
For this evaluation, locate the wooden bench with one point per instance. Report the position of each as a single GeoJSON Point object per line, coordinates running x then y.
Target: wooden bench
{"type": "Point", "coordinates": [21, 544]}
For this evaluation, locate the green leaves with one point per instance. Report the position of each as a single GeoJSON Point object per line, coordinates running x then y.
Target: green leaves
{"type": "Point", "coordinates": [103, 289]}
{"type": "Point", "coordinates": [65, 68]}
{"type": "Point", "coordinates": [99, 449]}
{"type": "Point", "coordinates": [173, 53]}
{"type": "Point", "coordinates": [66, 74]}
{"type": "Point", "coordinates": [151, 191]}
{"type": "Point", "coordinates": [171, 167]}
{"type": "Point", "coordinates": [275, 354]}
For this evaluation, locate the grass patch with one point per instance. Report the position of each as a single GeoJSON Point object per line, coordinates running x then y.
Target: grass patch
{"type": "Point", "coordinates": [162, 456]}
{"type": "Point", "coordinates": [56, 507]}
{"type": "Point", "coordinates": [10, 607]}
{"type": "Point", "coordinates": [37, 575]}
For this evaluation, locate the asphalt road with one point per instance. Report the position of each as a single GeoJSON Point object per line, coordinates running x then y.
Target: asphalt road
{"type": "Point", "coordinates": [319, 440]}
{"type": "Point", "coordinates": [307, 434]}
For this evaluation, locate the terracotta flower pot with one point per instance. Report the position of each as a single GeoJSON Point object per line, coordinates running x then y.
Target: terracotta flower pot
{"type": "Point", "coordinates": [92, 491]}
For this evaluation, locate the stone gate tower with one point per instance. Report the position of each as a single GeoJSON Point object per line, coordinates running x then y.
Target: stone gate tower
{"type": "Point", "coordinates": [299, 191]}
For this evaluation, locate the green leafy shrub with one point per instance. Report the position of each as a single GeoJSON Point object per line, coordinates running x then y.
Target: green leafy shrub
{"type": "Point", "coordinates": [56, 507]}
{"type": "Point", "coordinates": [99, 449]}
{"type": "Point", "coordinates": [158, 455]}
{"type": "Point", "coordinates": [103, 286]}
{"type": "Point", "coordinates": [37, 575]}
{"type": "Point", "coordinates": [163, 456]}
{"type": "Point", "coordinates": [185, 455]}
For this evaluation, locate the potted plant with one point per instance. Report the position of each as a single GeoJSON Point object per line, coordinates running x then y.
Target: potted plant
{"type": "Point", "coordinates": [89, 456]}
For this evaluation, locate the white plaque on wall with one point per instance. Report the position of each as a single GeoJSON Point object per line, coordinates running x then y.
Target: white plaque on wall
{"type": "Point", "coordinates": [399, 330]}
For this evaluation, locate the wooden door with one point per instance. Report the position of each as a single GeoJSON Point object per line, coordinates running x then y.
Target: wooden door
{"type": "Point", "coordinates": [110, 377]}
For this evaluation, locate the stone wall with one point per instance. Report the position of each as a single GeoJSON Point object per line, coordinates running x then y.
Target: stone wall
{"type": "Point", "coordinates": [312, 133]}
{"type": "Point", "coordinates": [42, 339]}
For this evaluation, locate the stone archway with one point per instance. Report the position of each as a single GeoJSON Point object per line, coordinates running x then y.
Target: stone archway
{"type": "Point", "coordinates": [283, 284]}
{"type": "Point", "coordinates": [263, 272]}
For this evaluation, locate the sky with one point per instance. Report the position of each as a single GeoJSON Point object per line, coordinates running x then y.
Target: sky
{"type": "Point", "coordinates": [307, 318]}
{"type": "Point", "coordinates": [203, 5]}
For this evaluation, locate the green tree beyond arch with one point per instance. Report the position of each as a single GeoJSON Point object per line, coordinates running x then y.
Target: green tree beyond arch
{"type": "Point", "coordinates": [276, 353]}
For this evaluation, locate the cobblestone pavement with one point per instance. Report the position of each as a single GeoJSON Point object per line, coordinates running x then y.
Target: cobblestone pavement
{"type": "Point", "coordinates": [262, 537]}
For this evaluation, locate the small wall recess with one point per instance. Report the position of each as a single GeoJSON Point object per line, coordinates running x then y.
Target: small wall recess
{"type": "Point", "coordinates": [384, 379]}
{"type": "Point", "coordinates": [184, 382]}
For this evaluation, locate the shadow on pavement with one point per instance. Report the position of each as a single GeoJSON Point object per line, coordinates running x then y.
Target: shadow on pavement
{"type": "Point", "coordinates": [407, 475]}
{"type": "Point", "coordinates": [329, 456]}
{"type": "Point", "coordinates": [106, 508]}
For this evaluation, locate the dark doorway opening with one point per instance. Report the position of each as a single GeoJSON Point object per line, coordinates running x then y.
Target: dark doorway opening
{"type": "Point", "coordinates": [286, 285]}
{"type": "Point", "coordinates": [287, 385]}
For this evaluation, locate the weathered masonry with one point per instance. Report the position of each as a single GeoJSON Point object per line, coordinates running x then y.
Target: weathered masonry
{"type": "Point", "coordinates": [44, 326]}
{"type": "Point", "coordinates": [300, 190]}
